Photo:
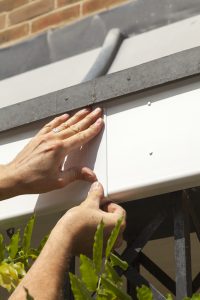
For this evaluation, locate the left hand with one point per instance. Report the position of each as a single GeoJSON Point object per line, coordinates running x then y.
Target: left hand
{"type": "Point", "coordinates": [37, 168]}
{"type": "Point", "coordinates": [80, 222]}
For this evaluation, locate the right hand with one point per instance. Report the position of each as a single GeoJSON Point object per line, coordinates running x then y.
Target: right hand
{"type": "Point", "coordinates": [37, 168]}
{"type": "Point", "coordinates": [80, 222]}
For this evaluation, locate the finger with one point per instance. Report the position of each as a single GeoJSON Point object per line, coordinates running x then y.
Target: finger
{"type": "Point", "coordinates": [114, 209]}
{"type": "Point", "coordinates": [53, 124]}
{"type": "Point", "coordinates": [76, 173]}
{"type": "Point", "coordinates": [83, 124]}
{"type": "Point", "coordinates": [75, 119]}
{"type": "Point", "coordinates": [95, 195]}
{"type": "Point", "coordinates": [81, 138]}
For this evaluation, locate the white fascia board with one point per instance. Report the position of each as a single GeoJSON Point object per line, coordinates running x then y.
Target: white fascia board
{"type": "Point", "coordinates": [153, 143]}
{"type": "Point", "coordinates": [150, 146]}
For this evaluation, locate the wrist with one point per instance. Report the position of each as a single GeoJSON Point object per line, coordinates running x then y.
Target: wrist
{"type": "Point", "coordinates": [8, 183]}
{"type": "Point", "coordinates": [63, 234]}
{"type": "Point", "coordinates": [69, 230]}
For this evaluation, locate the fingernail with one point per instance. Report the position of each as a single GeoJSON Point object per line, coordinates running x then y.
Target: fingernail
{"type": "Point", "coordinates": [97, 110]}
{"type": "Point", "coordinates": [99, 121]}
{"type": "Point", "coordinates": [87, 109]}
{"type": "Point", "coordinates": [64, 115]}
{"type": "Point", "coordinates": [91, 174]}
{"type": "Point", "coordinates": [95, 186]}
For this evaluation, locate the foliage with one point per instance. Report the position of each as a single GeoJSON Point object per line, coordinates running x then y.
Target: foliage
{"type": "Point", "coordinates": [16, 257]}
{"type": "Point", "coordinates": [144, 293]}
{"type": "Point", "coordinates": [99, 278]}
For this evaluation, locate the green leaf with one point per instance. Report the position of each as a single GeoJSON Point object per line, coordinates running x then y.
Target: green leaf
{"type": "Point", "coordinates": [79, 289]}
{"type": "Point", "coordinates": [116, 261]}
{"type": "Point", "coordinates": [144, 293]}
{"type": "Point", "coordinates": [14, 244]}
{"type": "Point", "coordinates": [42, 243]}
{"type": "Point", "coordinates": [104, 294]}
{"type": "Point", "coordinates": [28, 296]}
{"type": "Point", "coordinates": [28, 235]}
{"type": "Point", "coordinates": [19, 267]}
{"type": "Point", "coordinates": [195, 297]}
{"type": "Point", "coordinates": [169, 297]}
{"type": "Point", "coordinates": [98, 247]}
{"type": "Point", "coordinates": [33, 253]}
{"type": "Point", "coordinates": [88, 273]}
{"type": "Point", "coordinates": [112, 274]}
{"type": "Point", "coordinates": [113, 237]}
{"type": "Point", "coordinates": [8, 276]}
{"type": "Point", "coordinates": [114, 289]}
{"type": "Point", "coordinates": [105, 297]}
{"type": "Point", "coordinates": [1, 248]}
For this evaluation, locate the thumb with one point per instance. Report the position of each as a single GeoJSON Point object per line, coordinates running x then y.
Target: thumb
{"type": "Point", "coordinates": [95, 195]}
{"type": "Point", "coordinates": [77, 173]}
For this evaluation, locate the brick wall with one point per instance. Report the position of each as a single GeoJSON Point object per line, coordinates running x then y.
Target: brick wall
{"type": "Point", "coordinates": [21, 19]}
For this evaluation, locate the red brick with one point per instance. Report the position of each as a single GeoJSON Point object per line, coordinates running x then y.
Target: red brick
{"type": "Point", "coordinates": [92, 6]}
{"type": "Point", "coordinates": [14, 33]}
{"type": "Point", "coordinates": [7, 5]}
{"type": "Point", "coordinates": [66, 2]}
{"type": "Point", "coordinates": [30, 11]}
{"type": "Point", "coordinates": [60, 16]}
{"type": "Point", "coordinates": [2, 21]}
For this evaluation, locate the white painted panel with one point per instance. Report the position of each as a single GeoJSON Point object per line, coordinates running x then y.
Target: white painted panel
{"type": "Point", "coordinates": [150, 145]}
{"type": "Point", "coordinates": [93, 156]}
{"type": "Point", "coordinates": [153, 147]}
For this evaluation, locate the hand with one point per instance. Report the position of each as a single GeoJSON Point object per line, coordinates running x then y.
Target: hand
{"type": "Point", "coordinates": [72, 235]}
{"type": "Point", "coordinates": [80, 222]}
{"type": "Point", "coordinates": [37, 168]}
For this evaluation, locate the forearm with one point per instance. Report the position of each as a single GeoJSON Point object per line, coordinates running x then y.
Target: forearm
{"type": "Point", "coordinates": [46, 277]}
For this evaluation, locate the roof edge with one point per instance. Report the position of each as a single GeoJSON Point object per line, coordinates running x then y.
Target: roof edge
{"type": "Point", "coordinates": [110, 87]}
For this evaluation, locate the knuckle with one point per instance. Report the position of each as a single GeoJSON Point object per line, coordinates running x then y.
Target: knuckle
{"type": "Point", "coordinates": [75, 129]}
{"type": "Point", "coordinates": [65, 125]}
{"type": "Point", "coordinates": [81, 136]}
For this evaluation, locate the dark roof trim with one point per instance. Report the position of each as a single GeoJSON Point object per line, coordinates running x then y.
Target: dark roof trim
{"type": "Point", "coordinates": [136, 79]}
